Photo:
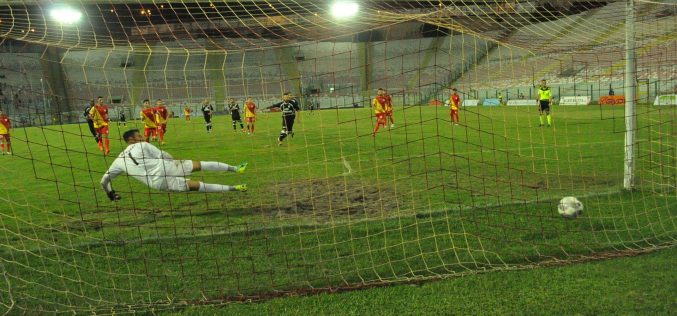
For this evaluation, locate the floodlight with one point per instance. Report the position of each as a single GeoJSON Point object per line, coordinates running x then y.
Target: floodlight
{"type": "Point", "coordinates": [65, 15]}
{"type": "Point", "coordinates": [344, 9]}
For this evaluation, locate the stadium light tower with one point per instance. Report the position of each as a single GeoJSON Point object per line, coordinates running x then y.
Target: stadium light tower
{"type": "Point", "coordinates": [65, 15]}
{"type": "Point", "coordinates": [344, 9]}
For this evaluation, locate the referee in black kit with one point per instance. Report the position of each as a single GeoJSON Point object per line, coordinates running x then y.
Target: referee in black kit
{"type": "Point", "coordinates": [289, 106]}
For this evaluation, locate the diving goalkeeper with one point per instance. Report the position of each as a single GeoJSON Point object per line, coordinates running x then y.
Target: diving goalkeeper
{"type": "Point", "coordinates": [158, 170]}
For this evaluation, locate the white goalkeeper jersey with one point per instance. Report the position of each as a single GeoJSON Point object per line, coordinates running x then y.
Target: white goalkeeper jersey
{"type": "Point", "coordinates": [143, 162]}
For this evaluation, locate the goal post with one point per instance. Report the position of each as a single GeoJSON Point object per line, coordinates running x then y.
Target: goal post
{"type": "Point", "coordinates": [351, 197]}
{"type": "Point", "coordinates": [630, 99]}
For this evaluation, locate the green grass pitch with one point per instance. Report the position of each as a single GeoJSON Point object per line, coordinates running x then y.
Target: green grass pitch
{"type": "Point", "coordinates": [331, 207]}
{"type": "Point", "coordinates": [643, 285]}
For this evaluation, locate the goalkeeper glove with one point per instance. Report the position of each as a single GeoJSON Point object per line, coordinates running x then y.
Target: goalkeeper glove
{"type": "Point", "coordinates": [114, 196]}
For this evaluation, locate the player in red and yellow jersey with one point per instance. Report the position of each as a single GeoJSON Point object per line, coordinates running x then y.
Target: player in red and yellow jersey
{"type": "Point", "coordinates": [250, 115]}
{"type": "Point", "coordinates": [5, 126]}
{"type": "Point", "coordinates": [379, 109]}
{"type": "Point", "coordinates": [186, 113]}
{"type": "Point", "coordinates": [161, 117]}
{"type": "Point", "coordinates": [388, 106]}
{"type": "Point", "coordinates": [149, 123]}
{"type": "Point", "coordinates": [454, 104]}
{"type": "Point", "coordinates": [99, 116]}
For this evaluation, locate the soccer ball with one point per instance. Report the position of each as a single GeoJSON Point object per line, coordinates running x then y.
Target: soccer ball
{"type": "Point", "coordinates": [570, 207]}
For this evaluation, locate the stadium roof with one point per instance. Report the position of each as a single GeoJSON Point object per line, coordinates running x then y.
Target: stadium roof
{"type": "Point", "coordinates": [120, 22]}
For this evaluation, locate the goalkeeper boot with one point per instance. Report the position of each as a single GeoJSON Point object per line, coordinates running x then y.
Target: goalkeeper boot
{"type": "Point", "coordinates": [241, 187]}
{"type": "Point", "coordinates": [242, 167]}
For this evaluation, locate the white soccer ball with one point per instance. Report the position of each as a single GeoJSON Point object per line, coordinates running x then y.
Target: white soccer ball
{"type": "Point", "coordinates": [570, 207]}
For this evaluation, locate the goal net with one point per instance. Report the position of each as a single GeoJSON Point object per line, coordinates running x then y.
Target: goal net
{"type": "Point", "coordinates": [346, 201]}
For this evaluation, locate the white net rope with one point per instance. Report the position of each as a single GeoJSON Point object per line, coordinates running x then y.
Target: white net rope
{"type": "Point", "coordinates": [335, 206]}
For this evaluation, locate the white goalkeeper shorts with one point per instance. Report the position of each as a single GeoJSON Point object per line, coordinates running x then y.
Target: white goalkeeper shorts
{"type": "Point", "coordinates": [175, 173]}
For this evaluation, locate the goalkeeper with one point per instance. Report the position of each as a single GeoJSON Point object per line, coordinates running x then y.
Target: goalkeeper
{"type": "Point", "coordinates": [158, 170]}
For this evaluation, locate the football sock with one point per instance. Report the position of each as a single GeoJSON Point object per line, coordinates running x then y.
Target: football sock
{"type": "Point", "coordinates": [100, 144]}
{"type": "Point", "coordinates": [107, 143]}
{"type": "Point", "coordinates": [3, 147]}
{"type": "Point", "coordinates": [211, 187]}
{"type": "Point", "coordinates": [234, 126]}
{"type": "Point", "coordinates": [549, 119]}
{"type": "Point", "coordinates": [216, 166]}
{"type": "Point", "coordinates": [540, 118]}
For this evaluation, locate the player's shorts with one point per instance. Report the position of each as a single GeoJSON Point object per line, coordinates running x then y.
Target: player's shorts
{"type": "Point", "coordinates": [148, 132]}
{"type": "Point", "coordinates": [250, 119]}
{"type": "Point", "coordinates": [208, 119]}
{"type": "Point", "coordinates": [544, 105]}
{"type": "Point", "coordinates": [235, 117]}
{"type": "Point", "coordinates": [288, 122]}
{"type": "Point", "coordinates": [102, 130]}
{"type": "Point", "coordinates": [4, 136]}
{"type": "Point", "coordinates": [380, 117]}
{"type": "Point", "coordinates": [162, 127]}
{"type": "Point", "coordinates": [389, 112]}
{"type": "Point", "coordinates": [175, 174]}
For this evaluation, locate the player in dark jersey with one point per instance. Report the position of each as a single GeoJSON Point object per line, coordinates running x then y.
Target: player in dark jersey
{"type": "Point", "coordinates": [207, 111]}
{"type": "Point", "coordinates": [234, 109]}
{"type": "Point", "coordinates": [122, 118]}
{"type": "Point", "coordinates": [90, 123]}
{"type": "Point", "coordinates": [289, 106]}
